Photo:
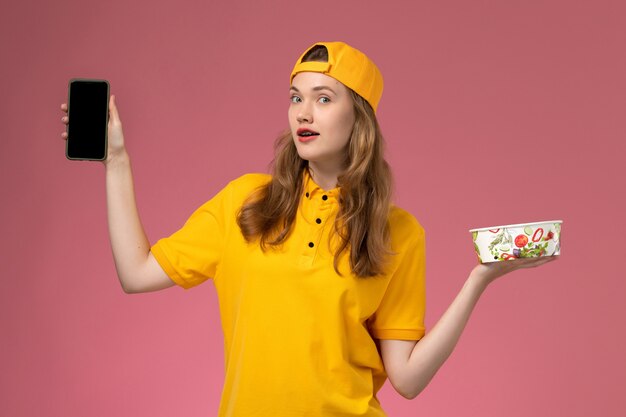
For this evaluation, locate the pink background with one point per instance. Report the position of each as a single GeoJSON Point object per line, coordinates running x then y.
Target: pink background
{"type": "Point", "coordinates": [494, 112]}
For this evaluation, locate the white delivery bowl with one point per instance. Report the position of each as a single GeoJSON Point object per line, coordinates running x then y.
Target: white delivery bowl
{"type": "Point", "coordinates": [525, 240]}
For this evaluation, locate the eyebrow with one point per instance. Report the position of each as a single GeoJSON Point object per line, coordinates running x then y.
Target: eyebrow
{"type": "Point", "coordinates": [318, 88]}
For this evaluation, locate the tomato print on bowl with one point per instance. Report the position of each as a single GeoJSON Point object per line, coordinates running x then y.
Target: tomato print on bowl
{"type": "Point", "coordinates": [525, 240]}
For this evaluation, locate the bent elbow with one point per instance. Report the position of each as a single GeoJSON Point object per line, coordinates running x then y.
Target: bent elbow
{"type": "Point", "coordinates": [408, 394]}
{"type": "Point", "coordinates": [408, 391]}
{"type": "Point", "coordinates": [128, 290]}
{"type": "Point", "coordinates": [127, 285]}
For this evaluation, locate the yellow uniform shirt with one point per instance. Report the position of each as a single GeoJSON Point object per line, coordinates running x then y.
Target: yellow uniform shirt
{"type": "Point", "coordinates": [299, 338]}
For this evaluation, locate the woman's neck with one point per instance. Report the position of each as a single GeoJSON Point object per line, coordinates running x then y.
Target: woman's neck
{"type": "Point", "coordinates": [325, 177]}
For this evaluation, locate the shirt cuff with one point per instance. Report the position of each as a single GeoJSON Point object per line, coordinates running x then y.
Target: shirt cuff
{"type": "Point", "coordinates": [398, 334]}
{"type": "Point", "coordinates": [161, 257]}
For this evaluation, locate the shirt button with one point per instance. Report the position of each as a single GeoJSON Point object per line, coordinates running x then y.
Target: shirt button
{"type": "Point", "coordinates": [324, 197]}
{"type": "Point", "coordinates": [307, 194]}
{"type": "Point", "coordinates": [311, 244]}
{"type": "Point", "coordinates": [318, 221]}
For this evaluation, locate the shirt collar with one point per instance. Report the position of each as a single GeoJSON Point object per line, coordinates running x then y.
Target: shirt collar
{"type": "Point", "coordinates": [312, 190]}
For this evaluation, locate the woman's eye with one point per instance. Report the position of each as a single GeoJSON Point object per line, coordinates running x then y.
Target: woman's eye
{"type": "Point", "coordinates": [324, 100]}
{"type": "Point", "coordinates": [295, 99]}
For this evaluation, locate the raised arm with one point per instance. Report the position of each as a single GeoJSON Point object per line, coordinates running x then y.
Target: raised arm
{"type": "Point", "coordinates": [411, 365]}
{"type": "Point", "coordinates": [137, 269]}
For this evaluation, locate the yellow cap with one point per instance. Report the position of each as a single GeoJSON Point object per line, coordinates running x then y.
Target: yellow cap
{"type": "Point", "coordinates": [350, 67]}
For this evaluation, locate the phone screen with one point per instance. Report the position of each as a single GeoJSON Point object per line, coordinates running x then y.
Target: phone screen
{"type": "Point", "coordinates": [88, 111]}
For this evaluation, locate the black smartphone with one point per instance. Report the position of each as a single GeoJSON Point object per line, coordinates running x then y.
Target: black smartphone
{"type": "Point", "coordinates": [88, 112]}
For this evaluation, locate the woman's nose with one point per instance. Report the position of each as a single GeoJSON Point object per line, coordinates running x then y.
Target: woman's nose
{"type": "Point", "coordinates": [304, 115]}
{"type": "Point", "coordinates": [304, 118]}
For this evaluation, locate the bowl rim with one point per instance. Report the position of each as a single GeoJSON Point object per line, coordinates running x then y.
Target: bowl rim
{"type": "Point", "coordinates": [508, 226]}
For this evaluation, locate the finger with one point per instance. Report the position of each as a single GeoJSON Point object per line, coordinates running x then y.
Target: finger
{"type": "Point", "coordinates": [546, 259]}
{"type": "Point", "coordinates": [64, 107]}
{"type": "Point", "coordinates": [65, 119]}
{"type": "Point", "coordinates": [534, 262]}
{"type": "Point", "coordinates": [64, 135]}
{"type": "Point", "coordinates": [113, 109]}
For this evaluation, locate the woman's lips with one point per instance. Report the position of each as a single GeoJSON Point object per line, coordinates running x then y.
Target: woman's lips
{"type": "Point", "coordinates": [305, 139]}
{"type": "Point", "coordinates": [306, 135]}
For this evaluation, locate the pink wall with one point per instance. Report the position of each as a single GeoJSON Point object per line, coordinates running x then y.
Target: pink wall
{"type": "Point", "coordinates": [494, 112]}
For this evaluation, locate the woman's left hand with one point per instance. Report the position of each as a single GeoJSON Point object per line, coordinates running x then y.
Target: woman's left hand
{"type": "Point", "coordinates": [489, 272]}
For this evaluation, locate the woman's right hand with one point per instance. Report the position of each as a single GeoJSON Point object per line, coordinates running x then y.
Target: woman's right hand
{"type": "Point", "coordinates": [115, 135]}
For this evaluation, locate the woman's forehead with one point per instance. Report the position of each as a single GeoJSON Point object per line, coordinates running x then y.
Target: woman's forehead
{"type": "Point", "coordinates": [315, 80]}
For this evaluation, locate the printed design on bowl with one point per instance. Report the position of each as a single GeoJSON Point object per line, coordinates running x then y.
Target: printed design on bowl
{"type": "Point", "coordinates": [508, 243]}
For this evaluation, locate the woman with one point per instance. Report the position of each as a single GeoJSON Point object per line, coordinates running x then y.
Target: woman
{"type": "Point", "coordinates": [320, 279]}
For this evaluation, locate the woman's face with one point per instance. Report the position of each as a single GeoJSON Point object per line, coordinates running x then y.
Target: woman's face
{"type": "Point", "coordinates": [321, 117]}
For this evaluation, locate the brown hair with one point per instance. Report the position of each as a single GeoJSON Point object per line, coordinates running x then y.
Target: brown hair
{"type": "Point", "coordinates": [365, 193]}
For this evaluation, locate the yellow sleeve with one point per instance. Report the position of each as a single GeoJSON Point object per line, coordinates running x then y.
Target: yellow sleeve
{"type": "Point", "coordinates": [191, 255]}
{"type": "Point", "coordinates": [401, 312]}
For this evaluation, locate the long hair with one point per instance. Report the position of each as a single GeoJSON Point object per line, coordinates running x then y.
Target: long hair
{"type": "Point", "coordinates": [364, 194]}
